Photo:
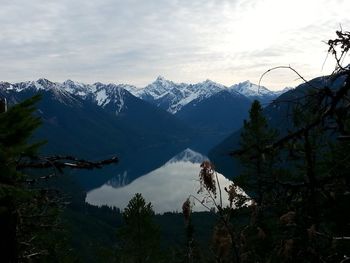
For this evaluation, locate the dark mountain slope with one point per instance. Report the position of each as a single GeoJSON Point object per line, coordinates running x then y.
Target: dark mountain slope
{"type": "Point", "coordinates": [138, 133]}
{"type": "Point", "coordinates": [215, 118]}
{"type": "Point", "coordinates": [279, 116]}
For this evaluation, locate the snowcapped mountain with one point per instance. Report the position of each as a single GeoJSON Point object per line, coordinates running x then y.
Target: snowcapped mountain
{"type": "Point", "coordinates": [76, 88]}
{"type": "Point", "coordinates": [111, 94]}
{"type": "Point", "coordinates": [100, 94]}
{"type": "Point", "coordinates": [163, 93]}
{"type": "Point", "coordinates": [256, 92]}
{"type": "Point", "coordinates": [159, 120]}
{"type": "Point", "coordinates": [173, 96]}
{"type": "Point", "coordinates": [249, 89]}
{"type": "Point", "coordinates": [41, 85]}
{"type": "Point", "coordinates": [81, 120]}
{"type": "Point", "coordinates": [211, 109]}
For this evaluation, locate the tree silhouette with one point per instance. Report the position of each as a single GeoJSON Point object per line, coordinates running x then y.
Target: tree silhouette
{"type": "Point", "coordinates": [16, 127]}
{"type": "Point", "coordinates": [139, 236]}
{"type": "Point", "coordinates": [28, 210]}
{"type": "Point", "coordinates": [255, 136]}
{"type": "Point", "coordinates": [305, 216]}
{"type": "Point", "coordinates": [298, 181]}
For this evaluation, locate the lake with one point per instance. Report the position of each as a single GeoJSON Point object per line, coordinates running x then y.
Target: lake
{"type": "Point", "coordinates": [166, 187]}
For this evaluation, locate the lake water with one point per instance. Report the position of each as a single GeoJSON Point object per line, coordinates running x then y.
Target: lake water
{"type": "Point", "coordinates": [166, 187]}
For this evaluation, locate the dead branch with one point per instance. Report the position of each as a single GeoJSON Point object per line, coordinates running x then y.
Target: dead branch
{"type": "Point", "coordinates": [61, 162]}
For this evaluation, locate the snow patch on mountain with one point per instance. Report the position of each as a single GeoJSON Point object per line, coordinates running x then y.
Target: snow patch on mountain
{"type": "Point", "coordinates": [43, 85]}
{"type": "Point", "coordinates": [173, 96]}
{"type": "Point", "coordinates": [101, 94]}
{"type": "Point", "coordinates": [163, 93]}
{"type": "Point", "coordinates": [160, 88]}
{"type": "Point", "coordinates": [77, 88]}
{"type": "Point", "coordinates": [249, 89]}
{"type": "Point", "coordinates": [110, 93]}
{"type": "Point", "coordinates": [101, 97]}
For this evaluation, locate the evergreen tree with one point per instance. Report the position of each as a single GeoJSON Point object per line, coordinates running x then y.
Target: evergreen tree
{"type": "Point", "coordinates": [257, 163]}
{"type": "Point", "coordinates": [307, 221]}
{"type": "Point", "coordinates": [139, 236]}
{"type": "Point", "coordinates": [16, 127]}
{"type": "Point", "coordinates": [28, 210]}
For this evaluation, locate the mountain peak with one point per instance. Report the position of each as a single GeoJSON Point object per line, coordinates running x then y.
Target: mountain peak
{"type": "Point", "coordinates": [161, 81]}
{"type": "Point", "coordinates": [250, 89]}
{"type": "Point", "coordinates": [160, 78]}
{"type": "Point", "coordinates": [173, 96]}
{"type": "Point", "coordinates": [208, 83]}
{"type": "Point", "coordinates": [43, 82]}
{"type": "Point", "coordinates": [246, 83]}
{"type": "Point", "coordinates": [40, 84]}
{"type": "Point", "coordinates": [69, 82]}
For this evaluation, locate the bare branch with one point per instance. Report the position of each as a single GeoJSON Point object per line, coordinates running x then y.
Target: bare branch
{"type": "Point", "coordinates": [60, 162]}
{"type": "Point", "coordinates": [286, 67]}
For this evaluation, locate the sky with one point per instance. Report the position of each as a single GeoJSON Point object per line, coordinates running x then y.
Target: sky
{"type": "Point", "coordinates": [134, 41]}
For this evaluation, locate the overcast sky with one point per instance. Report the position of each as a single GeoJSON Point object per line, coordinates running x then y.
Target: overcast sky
{"type": "Point", "coordinates": [134, 41]}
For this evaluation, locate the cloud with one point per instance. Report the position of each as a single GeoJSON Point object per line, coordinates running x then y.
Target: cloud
{"type": "Point", "coordinates": [134, 41]}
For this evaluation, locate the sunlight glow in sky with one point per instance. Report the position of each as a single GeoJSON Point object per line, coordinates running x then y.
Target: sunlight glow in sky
{"type": "Point", "coordinates": [134, 41]}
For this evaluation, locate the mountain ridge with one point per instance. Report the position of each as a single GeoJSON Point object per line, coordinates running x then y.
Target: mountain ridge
{"type": "Point", "coordinates": [163, 93]}
{"type": "Point", "coordinates": [77, 124]}
{"type": "Point", "coordinates": [276, 114]}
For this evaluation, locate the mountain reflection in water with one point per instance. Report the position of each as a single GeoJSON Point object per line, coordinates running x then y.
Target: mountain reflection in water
{"type": "Point", "coordinates": [166, 187]}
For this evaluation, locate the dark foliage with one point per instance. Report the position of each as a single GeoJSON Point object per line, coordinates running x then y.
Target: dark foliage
{"type": "Point", "coordinates": [29, 209]}
{"type": "Point", "coordinates": [139, 237]}
{"type": "Point", "coordinates": [295, 180]}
